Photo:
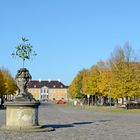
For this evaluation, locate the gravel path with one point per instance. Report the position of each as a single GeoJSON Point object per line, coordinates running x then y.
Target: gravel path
{"type": "Point", "coordinates": [79, 124]}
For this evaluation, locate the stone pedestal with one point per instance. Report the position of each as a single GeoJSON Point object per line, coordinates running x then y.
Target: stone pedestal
{"type": "Point", "coordinates": [22, 114]}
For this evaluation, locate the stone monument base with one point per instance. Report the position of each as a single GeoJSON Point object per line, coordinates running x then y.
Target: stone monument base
{"type": "Point", "coordinates": [23, 116]}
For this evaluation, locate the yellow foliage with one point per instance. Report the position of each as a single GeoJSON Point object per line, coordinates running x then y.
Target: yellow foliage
{"type": "Point", "coordinates": [8, 83]}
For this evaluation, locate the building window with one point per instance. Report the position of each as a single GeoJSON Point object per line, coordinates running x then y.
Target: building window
{"type": "Point", "coordinates": [41, 91]}
{"type": "Point", "coordinates": [44, 90]}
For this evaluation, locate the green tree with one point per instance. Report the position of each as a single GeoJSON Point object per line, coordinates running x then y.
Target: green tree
{"type": "Point", "coordinates": [24, 50]}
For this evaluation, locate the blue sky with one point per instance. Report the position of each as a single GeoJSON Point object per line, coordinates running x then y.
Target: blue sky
{"type": "Point", "coordinates": [68, 35]}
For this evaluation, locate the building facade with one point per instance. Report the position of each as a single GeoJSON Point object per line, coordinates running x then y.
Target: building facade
{"type": "Point", "coordinates": [48, 90]}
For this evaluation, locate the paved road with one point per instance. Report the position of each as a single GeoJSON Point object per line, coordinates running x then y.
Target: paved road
{"type": "Point", "coordinates": [79, 124]}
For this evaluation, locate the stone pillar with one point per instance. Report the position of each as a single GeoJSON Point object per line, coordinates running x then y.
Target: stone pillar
{"type": "Point", "coordinates": [22, 114]}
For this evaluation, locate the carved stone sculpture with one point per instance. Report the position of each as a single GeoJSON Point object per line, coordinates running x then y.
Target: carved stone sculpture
{"type": "Point", "coordinates": [23, 78]}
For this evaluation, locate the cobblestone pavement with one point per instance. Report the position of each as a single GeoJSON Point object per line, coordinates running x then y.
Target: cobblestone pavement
{"type": "Point", "coordinates": [79, 124]}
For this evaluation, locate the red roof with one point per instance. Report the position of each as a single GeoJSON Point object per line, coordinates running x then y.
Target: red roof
{"type": "Point", "coordinates": [49, 84]}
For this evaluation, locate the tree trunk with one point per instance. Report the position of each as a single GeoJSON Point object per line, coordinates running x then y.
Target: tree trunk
{"type": "Point", "coordinates": [122, 101]}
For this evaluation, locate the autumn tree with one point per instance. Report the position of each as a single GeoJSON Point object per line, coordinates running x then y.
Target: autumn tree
{"type": "Point", "coordinates": [119, 77]}
{"type": "Point", "coordinates": [133, 80]}
{"type": "Point", "coordinates": [104, 78]}
{"type": "Point", "coordinates": [75, 89]}
{"type": "Point", "coordinates": [2, 85]}
{"type": "Point", "coordinates": [90, 83]}
{"type": "Point", "coordinates": [124, 73]}
{"type": "Point", "coordinates": [9, 82]}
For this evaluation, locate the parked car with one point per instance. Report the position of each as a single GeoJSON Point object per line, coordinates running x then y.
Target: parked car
{"type": "Point", "coordinates": [133, 105]}
{"type": "Point", "coordinates": [60, 102]}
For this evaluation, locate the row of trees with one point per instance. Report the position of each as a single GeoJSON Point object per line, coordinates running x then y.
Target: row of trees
{"type": "Point", "coordinates": [7, 83]}
{"type": "Point", "coordinates": [118, 77]}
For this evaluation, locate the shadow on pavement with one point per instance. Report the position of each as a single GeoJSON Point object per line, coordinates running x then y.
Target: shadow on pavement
{"type": "Point", "coordinates": [81, 123]}
{"type": "Point", "coordinates": [60, 125]}
{"type": "Point", "coordinates": [74, 124]}
{"type": "Point", "coordinates": [103, 120]}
